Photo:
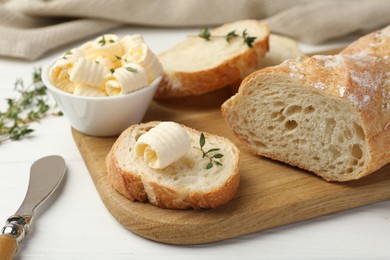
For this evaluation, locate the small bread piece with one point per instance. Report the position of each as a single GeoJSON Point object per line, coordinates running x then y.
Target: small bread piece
{"type": "Point", "coordinates": [326, 114]}
{"type": "Point", "coordinates": [197, 66]}
{"type": "Point", "coordinates": [185, 183]}
{"type": "Point", "coordinates": [281, 48]}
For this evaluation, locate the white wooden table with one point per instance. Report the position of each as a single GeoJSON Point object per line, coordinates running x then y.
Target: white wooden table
{"type": "Point", "coordinates": [78, 226]}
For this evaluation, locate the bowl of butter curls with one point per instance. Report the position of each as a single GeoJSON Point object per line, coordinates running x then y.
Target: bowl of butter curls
{"type": "Point", "coordinates": [106, 84]}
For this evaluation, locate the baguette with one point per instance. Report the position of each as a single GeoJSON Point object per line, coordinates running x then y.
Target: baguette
{"type": "Point", "coordinates": [197, 66]}
{"type": "Point", "coordinates": [326, 114]}
{"type": "Point", "coordinates": [185, 183]}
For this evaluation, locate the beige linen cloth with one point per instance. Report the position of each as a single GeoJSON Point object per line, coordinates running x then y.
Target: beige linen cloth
{"type": "Point", "coordinates": [31, 28]}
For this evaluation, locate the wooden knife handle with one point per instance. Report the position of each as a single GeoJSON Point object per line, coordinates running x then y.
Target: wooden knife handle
{"type": "Point", "coordinates": [8, 247]}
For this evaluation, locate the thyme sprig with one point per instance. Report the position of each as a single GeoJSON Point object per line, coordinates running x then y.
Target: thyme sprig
{"type": "Point", "coordinates": [205, 34]}
{"type": "Point", "coordinates": [231, 35]}
{"type": "Point", "coordinates": [65, 57]}
{"type": "Point", "coordinates": [213, 158]}
{"type": "Point", "coordinates": [117, 58]}
{"type": "Point", "coordinates": [248, 40]}
{"type": "Point", "coordinates": [103, 41]}
{"type": "Point", "coordinates": [30, 106]}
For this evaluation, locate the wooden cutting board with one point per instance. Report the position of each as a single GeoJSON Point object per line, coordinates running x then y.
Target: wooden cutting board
{"type": "Point", "coordinates": [270, 194]}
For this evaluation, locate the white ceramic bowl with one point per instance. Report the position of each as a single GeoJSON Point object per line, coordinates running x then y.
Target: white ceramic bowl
{"type": "Point", "coordinates": [102, 116]}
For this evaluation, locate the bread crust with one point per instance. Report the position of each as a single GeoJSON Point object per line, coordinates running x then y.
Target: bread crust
{"type": "Point", "coordinates": [135, 188]}
{"type": "Point", "coordinates": [336, 77]}
{"type": "Point", "coordinates": [180, 83]}
{"type": "Point", "coordinates": [128, 184]}
{"type": "Point", "coordinates": [374, 44]}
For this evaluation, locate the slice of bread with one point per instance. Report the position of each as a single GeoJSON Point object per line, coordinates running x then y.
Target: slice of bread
{"type": "Point", "coordinates": [185, 183]}
{"type": "Point", "coordinates": [326, 114]}
{"type": "Point", "coordinates": [197, 66]}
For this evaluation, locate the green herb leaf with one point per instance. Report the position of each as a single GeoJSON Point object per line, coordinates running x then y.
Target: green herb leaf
{"type": "Point", "coordinates": [218, 155]}
{"type": "Point", "coordinates": [244, 33]}
{"type": "Point", "coordinates": [17, 132]}
{"type": "Point", "coordinates": [209, 165]}
{"type": "Point", "coordinates": [131, 69]}
{"type": "Point", "coordinates": [247, 39]}
{"type": "Point", "coordinates": [231, 35]}
{"type": "Point", "coordinates": [112, 70]}
{"type": "Point", "coordinates": [205, 34]}
{"type": "Point", "coordinates": [202, 140]}
{"type": "Point", "coordinates": [213, 150]}
{"type": "Point", "coordinates": [102, 41]}
{"type": "Point", "coordinates": [66, 54]}
{"type": "Point", "coordinates": [218, 163]}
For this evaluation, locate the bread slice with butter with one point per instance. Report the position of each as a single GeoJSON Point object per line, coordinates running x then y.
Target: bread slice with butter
{"type": "Point", "coordinates": [185, 183]}
{"type": "Point", "coordinates": [197, 66]}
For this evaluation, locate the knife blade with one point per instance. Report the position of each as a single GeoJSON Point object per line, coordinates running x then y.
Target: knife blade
{"type": "Point", "coordinates": [46, 175]}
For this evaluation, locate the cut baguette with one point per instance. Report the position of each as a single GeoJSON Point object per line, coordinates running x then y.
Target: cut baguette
{"type": "Point", "coordinates": [185, 183]}
{"type": "Point", "coordinates": [197, 66]}
{"type": "Point", "coordinates": [326, 114]}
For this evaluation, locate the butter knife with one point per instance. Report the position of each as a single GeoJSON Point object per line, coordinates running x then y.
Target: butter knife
{"type": "Point", "coordinates": [46, 175]}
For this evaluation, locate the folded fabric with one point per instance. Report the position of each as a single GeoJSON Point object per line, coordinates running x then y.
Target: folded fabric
{"type": "Point", "coordinates": [31, 28]}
